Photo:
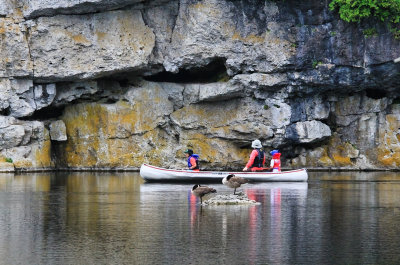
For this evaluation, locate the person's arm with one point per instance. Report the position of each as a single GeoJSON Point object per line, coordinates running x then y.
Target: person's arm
{"type": "Point", "coordinates": [193, 163]}
{"type": "Point", "coordinates": [253, 155]}
{"type": "Point", "coordinates": [271, 164]}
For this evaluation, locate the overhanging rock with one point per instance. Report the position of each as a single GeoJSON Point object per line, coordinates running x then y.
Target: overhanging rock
{"type": "Point", "coordinates": [308, 132]}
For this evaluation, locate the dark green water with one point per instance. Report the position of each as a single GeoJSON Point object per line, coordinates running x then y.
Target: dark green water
{"type": "Point", "coordinates": [98, 218]}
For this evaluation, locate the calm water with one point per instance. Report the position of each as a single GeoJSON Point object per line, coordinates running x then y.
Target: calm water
{"type": "Point", "coordinates": [116, 218]}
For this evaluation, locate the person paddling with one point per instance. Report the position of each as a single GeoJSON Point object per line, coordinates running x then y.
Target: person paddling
{"type": "Point", "coordinates": [275, 164]}
{"type": "Point", "coordinates": [257, 157]}
{"type": "Point", "coordinates": [192, 160]}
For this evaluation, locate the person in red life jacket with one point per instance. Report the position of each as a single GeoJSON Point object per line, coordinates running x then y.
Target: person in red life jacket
{"type": "Point", "coordinates": [257, 157]}
{"type": "Point", "coordinates": [275, 164]}
{"type": "Point", "coordinates": [192, 160]}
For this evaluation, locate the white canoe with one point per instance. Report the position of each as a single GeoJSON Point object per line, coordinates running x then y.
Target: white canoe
{"type": "Point", "coordinates": [152, 173]}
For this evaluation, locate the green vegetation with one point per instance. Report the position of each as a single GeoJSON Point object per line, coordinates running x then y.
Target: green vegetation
{"type": "Point", "coordinates": [315, 63]}
{"type": "Point", "coordinates": [357, 10]}
{"type": "Point", "coordinates": [352, 145]}
{"type": "Point", "coordinates": [9, 160]}
{"type": "Point", "coordinates": [370, 32]}
{"type": "Point", "coordinates": [266, 107]}
{"type": "Point", "coordinates": [387, 11]}
{"type": "Point", "coordinates": [395, 31]}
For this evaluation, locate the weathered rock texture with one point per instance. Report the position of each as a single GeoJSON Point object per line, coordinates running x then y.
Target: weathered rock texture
{"type": "Point", "coordinates": [95, 84]}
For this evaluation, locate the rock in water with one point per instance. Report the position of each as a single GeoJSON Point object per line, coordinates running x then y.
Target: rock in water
{"type": "Point", "coordinates": [231, 199]}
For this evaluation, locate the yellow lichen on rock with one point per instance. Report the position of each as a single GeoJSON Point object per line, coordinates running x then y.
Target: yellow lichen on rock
{"type": "Point", "coordinates": [42, 155]}
{"type": "Point", "coordinates": [326, 161]}
{"type": "Point", "coordinates": [101, 36]}
{"type": "Point", "coordinates": [341, 160]}
{"type": "Point", "coordinates": [83, 120]}
{"type": "Point", "coordinates": [216, 152]}
{"type": "Point", "coordinates": [320, 157]}
{"type": "Point", "coordinates": [202, 145]}
{"type": "Point", "coordinates": [6, 166]}
{"type": "Point", "coordinates": [79, 153]}
{"type": "Point", "coordinates": [23, 164]}
{"type": "Point", "coordinates": [135, 33]}
{"type": "Point", "coordinates": [389, 136]}
{"type": "Point", "coordinates": [207, 114]}
{"type": "Point", "coordinates": [334, 154]}
{"type": "Point", "coordinates": [340, 152]}
{"type": "Point", "coordinates": [251, 38]}
{"type": "Point", "coordinates": [103, 135]}
{"type": "Point", "coordinates": [79, 38]}
{"type": "Point", "coordinates": [2, 26]}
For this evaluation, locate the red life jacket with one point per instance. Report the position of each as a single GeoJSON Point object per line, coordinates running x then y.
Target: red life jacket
{"type": "Point", "coordinates": [277, 161]}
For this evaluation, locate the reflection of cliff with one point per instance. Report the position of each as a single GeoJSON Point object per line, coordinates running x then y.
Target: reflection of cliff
{"type": "Point", "coordinates": [363, 212]}
{"type": "Point", "coordinates": [64, 213]}
{"type": "Point", "coordinates": [102, 213]}
{"type": "Point", "coordinates": [95, 200]}
{"type": "Point", "coordinates": [33, 182]}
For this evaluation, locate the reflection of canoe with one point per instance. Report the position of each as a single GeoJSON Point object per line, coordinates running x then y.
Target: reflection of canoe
{"type": "Point", "coordinates": [152, 173]}
{"type": "Point", "coordinates": [277, 185]}
{"type": "Point", "coordinates": [154, 187]}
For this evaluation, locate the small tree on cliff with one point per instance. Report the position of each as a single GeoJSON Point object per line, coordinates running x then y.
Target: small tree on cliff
{"type": "Point", "coordinates": [358, 10]}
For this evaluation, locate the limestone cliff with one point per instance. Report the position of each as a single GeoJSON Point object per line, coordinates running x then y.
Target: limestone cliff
{"type": "Point", "coordinates": [96, 84]}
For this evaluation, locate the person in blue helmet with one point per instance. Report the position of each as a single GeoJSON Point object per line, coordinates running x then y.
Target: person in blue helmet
{"type": "Point", "coordinates": [275, 164]}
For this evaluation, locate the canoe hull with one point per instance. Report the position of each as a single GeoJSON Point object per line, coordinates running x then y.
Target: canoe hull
{"type": "Point", "coordinates": [152, 173]}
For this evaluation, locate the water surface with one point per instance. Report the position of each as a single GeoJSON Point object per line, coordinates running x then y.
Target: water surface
{"type": "Point", "coordinates": [117, 218]}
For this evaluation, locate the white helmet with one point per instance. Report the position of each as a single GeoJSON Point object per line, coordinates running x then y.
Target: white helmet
{"type": "Point", "coordinates": [256, 144]}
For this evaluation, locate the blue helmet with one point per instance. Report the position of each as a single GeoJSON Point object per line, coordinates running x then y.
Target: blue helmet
{"type": "Point", "coordinates": [273, 152]}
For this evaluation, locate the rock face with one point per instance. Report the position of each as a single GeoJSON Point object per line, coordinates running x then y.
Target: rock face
{"type": "Point", "coordinates": [307, 132]}
{"type": "Point", "coordinates": [109, 42]}
{"type": "Point", "coordinates": [58, 131]}
{"type": "Point", "coordinates": [25, 144]}
{"type": "Point", "coordinates": [95, 84]}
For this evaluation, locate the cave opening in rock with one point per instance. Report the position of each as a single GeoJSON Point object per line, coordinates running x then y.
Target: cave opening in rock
{"type": "Point", "coordinates": [215, 71]}
{"type": "Point", "coordinates": [396, 101]}
{"type": "Point", "coordinates": [58, 155]}
{"type": "Point", "coordinates": [376, 93]}
{"type": "Point", "coordinates": [45, 114]}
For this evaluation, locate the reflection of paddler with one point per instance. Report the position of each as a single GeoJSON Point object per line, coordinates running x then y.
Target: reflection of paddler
{"type": "Point", "coordinates": [234, 182]}
{"type": "Point", "coordinates": [200, 191]}
{"type": "Point", "coordinates": [192, 207]}
{"type": "Point", "coordinates": [251, 194]}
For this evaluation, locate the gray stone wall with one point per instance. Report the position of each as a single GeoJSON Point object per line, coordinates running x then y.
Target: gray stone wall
{"type": "Point", "coordinates": [213, 75]}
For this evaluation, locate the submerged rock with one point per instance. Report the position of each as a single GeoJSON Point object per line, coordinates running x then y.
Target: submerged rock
{"type": "Point", "coordinates": [231, 199]}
